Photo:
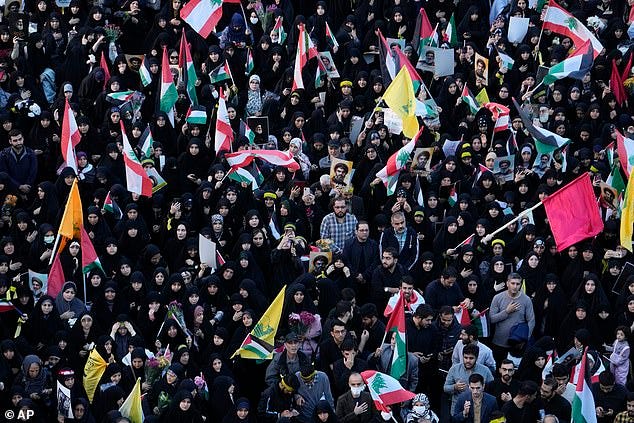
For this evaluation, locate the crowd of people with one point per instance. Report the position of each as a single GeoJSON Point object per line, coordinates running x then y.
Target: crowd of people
{"type": "Point", "coordinates": [342, 240]}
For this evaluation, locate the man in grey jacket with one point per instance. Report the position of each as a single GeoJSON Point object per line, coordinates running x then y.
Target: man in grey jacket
{"type": "Point", "coordinates": [509, 308]}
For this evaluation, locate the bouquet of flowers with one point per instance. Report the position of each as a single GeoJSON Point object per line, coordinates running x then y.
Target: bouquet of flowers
{"type": "Point", "coordinates": [156, 366]}
{"type": "Point", "coordinates": [324, 244]}
{"type": "Point", "coordinates": [301, 323]}
{"type": "Point", "coordinates": [113, 32]}
{"type": "Point", "coordinates": [201, 385]}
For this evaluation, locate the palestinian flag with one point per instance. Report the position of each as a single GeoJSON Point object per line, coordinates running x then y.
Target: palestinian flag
{"type": "Point", "coordinates": [220, 74]}
{"type": "Point", "coordinates": [417, 81]}
{"type": "Point", "coordinates": [452, 31]}
{"type": "Point", "coordinates": [274, 157]}
{"type": "Point", "coordinates": [120, 97]}
{"type": "Point", "coordinates": [410, 305]}
{"type": "Point", "coordinates": [545, 141]}
{"type": "Point", "coordinates": [424, 34]}
{"type": "Point", "coordinates": [397, 162]}
{"type": "Point", "coordinates": [248, 132]}
{"type": "Point", "coordinates": [625, 149]}
{"type": "Point", "coordinates": [136, 178]}
{"type": "Point", "coordinates": [396, 324]}
{"type": "Point", "coordinates": [188, 72]}
{"type": "Point", "coordinates": [6, 305]}
{"type": "Point", "coordinates": [575, 66]}
{"type": "Point", "coordinates": [481, 322]}
{"type": "Point", "coordinates": [249, 65]}
{"type": "Point", "coordinates": [558, 20]}
{"type": "Point", "coordinates": [89, 257]}
{"type": "Point", "coordinates": [203, 15]}
{"type": "Point", "coordinates": [320, 74]}
{"type": "Point", "coordinates": [146, 142]}
{"type": "Point", "coordinates": [224, 134]}
{"type": "Point", "coordinates": [330, 36]}
{"type": "Point", "coordinates": [279, 28]}
{"type": "Point", "coordinates": [418, 193]}
{"type": "Point", "coordinates": [453, 196]}
{"type": "Point", "coordinates": [467, 97]}
{"type": "Point", "coordinates": [583, 410]}
{"type": "Point", "coordinates": [144, 72]}
{"type": "Point", "coordinates": [111, 206]}
{"type": "Point", "coordinates": [168, 95]}
{"type": "Point", "coordinates": [250, 175]}
{"type": "Point", "coordinates": [385, 390]}
{"type": "Point", "coordinates": [197, 115]}
{"type": "Point", "coordinates": [387, 61]}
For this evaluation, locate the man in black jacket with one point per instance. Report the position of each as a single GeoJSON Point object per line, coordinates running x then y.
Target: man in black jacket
{"type": "Point", "coordinates": [361, 254]}
{"type": "Point", "coordinates": [402, 238]}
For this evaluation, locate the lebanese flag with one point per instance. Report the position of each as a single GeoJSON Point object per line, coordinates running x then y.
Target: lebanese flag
{"type": "Point", "coordinates": [500, 115]}
{"type": "Point", "coordinates": [398, 160]}
{"type": "Point", "coordinates": [572, 212]}
{"type": "Point", "coordinates": [575, 66]}
{"type": "Point", "coordinates": [583, 410]}
{"type": "Point", "coordinates": [410, 305]}
{"type": "Point", "coordinates": [275, 157]}
{"type": "Point", "coordinates": [224, 134]}
{"type": "Point", "coordinates": [385, 390]}
{"type": "Point", "coordinates": [396, 323]}
{"type": "Point", "coordinates": [203, 15]}
{"type": "Point", "coordinates": [305, 51]}
{"type": "Point", "coordinates": [625, 149]}
{"type": "Point", "coordinates": [89, 257]}
{"type": "Point", "coordinates": [136, 177]}
{"type": "Point", "coordinates": [558, 20]}
{"type": "Point", "coordinates": [70, 137]}
{"type": "Point", "coordinates": [169, 95]}
{"type": "Point", "coordinates": [462, 316]}
{"type": "Point", "coordinates": [56, 278]}
{"type": "Point", "coordinates": [188, 72]}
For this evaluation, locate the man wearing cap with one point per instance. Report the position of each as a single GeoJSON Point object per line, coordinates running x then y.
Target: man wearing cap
{"type": "Point", "coordinates": [339, 225]}
{"type": "Point", "coordinates": [402, 238]}
{"type": "Point", "coordinates": [277, 403]}
{"type": "Point", "coordinates": [286, 362]}
{"type": "Point", "coordinates": [314, 385]}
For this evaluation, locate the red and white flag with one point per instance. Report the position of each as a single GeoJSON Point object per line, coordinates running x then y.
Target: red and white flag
{"type": "Point", "coordinates": [385, 390]}
{"type": "Point", "coordinates": [203, 15]}
{"type": "Point", "coordinates": [558, 20]}
{"type": "Point", "coordinates": [136, 178]}
{"type": "Point", "coordinates": [70, 137]}
{"type": "Point", "coordinates": [275, 157]}
{"type": "Point", "coordinates": [224, 134]}
{"type": "Point", "coordinates": [500, 115]}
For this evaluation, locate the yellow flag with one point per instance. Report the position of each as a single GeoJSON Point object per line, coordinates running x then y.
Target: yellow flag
{"type": "Point", "coordinates": [400, 97]}
{"type": "Point", "coordinates": [259, 343]}
{"type": "Point", "coordinates": [482, 96]}
{"type": "Point", "coordinates": [93, 370]}
{"type": "Point", "coordinates": [627, 215]}
{"type": "Point", "coordinates": [73, 217]}
{"type": "Point", "coordinates": [131, 407]}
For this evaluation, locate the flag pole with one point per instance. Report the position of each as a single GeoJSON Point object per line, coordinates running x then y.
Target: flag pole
{"type": "Point", "coordinates": [490, 236]}
{"type": "Point", "coordinates": [55, 245]}
{"type": "Point", "coordinates": [463, 242]}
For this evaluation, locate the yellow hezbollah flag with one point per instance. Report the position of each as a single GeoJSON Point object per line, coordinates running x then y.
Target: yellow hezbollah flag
{"type": "Point", "coordinates": [73, 217]}
{"type": "Point", "coordinates": [482, 96]}
{"type": "Point", "coordinates": [93, 370]}
{"type": "Point", "coordinates": [400, 97]}
{"type": "Point", "coordinates": [131, 407]}
{"type": "Point", "coordinates": [259, 343]}
{"type": "Point", "coordinates": [627, 215]}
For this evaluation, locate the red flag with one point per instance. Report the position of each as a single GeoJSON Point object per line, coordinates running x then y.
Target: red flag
{"type": "Point", "coordinates": [56, 278]}
{"type": "Point", "coordinates": [104, 65]}
{"type": "Point", "coordinates": [573, 213]}
{"type": "Point", "coordinates": [616, 84]}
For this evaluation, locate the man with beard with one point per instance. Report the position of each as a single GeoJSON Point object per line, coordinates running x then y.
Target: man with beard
{"type": "Point", "coordinates": [423, 340]}
{"type": "Point", "coordinates": [373, 330]}
{"type": "Point", "coordinates": [386, 278]}
{"type": "Point", "coordinates": [458, 376]}
{"type": "Point", "coordinates": [627, 415]}
{"type": "Point", "coordinates": [469, 335]}
{"type": "Point", "coordinates": [339, 225]}
{"type": "Point", "coordinates": [504, 387]}
{"type": "Point", "coordinates": [552, 402]}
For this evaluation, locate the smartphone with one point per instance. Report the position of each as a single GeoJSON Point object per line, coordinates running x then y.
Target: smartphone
{"type": "Point", "coordinates": [307, 191]}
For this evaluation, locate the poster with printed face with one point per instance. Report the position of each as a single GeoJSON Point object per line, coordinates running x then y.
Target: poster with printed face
{"type": "Point", "coordinates": [329, 63]}
{"type": "Point", "coordinates": [319, 260]}
{"type": "Point", "coordinates": [340, 172]}
{"type": "Point", "coordinates": [439, 61]}
{"type": "Point", "coordinates": [609, 195]}
{"type": "Point", "coordinates": [422, 160]}
{"type": "Point", "coordinates": [503, 167]}
{"type": "Point", "coordinates": [481, 68]}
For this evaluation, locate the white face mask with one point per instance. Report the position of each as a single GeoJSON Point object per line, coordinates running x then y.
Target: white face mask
{"type": "Point", "coordinates": [386, 416]}
{"type": "Point", "coordinates": [253, 20]}
{"type": "Point", "coordinates": [356, 390]}
{"type": "Point", "coordinates": [419, 409]}
{"type": "Point", "coordinates": [49, 239]}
